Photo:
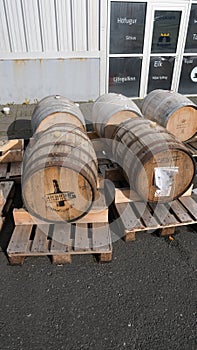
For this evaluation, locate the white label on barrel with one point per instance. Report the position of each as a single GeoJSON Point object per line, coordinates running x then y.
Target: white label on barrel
{"type": "Point", "coordinates": [163, 179]}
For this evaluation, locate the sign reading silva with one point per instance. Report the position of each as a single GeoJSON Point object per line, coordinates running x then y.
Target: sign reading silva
{"type": "Point", "coordinates": [127, 27]}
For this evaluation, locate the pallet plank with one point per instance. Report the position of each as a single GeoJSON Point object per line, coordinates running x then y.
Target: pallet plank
{"type": "Point", "coordinates": [20, 239]}
{"type": "Point", "coordinates": [15, 144]}
{"type": "Point", "coordinates": [82, 241]}
{"type": "Point", "coordinates": [190, 205]}
{"type": "Point", "coordinates": [40, 242]}
{"type": "Point", "coordinates": [180, 212]}
{"type": "Point", "coordinates": [144, 211]}
{"type": "Point", "coordinates": [61, 239]}
{"type": "Point", "coordinates": [3, 170]}
{"type": "Point", "coordinates": [5, 191]}
{"type": "Point", "coordinates": [101, 238]}
{"type": "Point", "coordinates": [163, 215]}
{"type": "Point", "coordinates": [12, 156]}
{"type": "Point", "coordinates": [128, 217]}
{"type": "Point", "coordinates": [15, 169]}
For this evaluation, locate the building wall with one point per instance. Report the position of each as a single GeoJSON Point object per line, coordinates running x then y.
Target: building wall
{"type": "Point", "coordinates": [64, 47]}
{"type": "Point", "coordinates": [49, 46]}
{"type": "Point", "coordinates": [75, 78]}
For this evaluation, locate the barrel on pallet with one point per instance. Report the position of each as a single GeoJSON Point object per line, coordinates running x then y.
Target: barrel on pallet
{"type": "Point", "coordinates": [175, 112]}
{"type": "Point", "coordinates": [55, 109]}
{"type": "Point", "coordinates": [109, 110]}
{"type": "Point", "coordinates": [59, 180]}
{"type": "Point", "coordinates": [157, 165]}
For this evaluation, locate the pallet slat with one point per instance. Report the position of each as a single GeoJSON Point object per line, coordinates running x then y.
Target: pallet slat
{"type": "Point", "coordinates": [128, 216]}
{"type": "Point", "coordinates": [180, 212]}
{"type": "Point", "coordinates": [6, 198]}
{"type": "Point", "coordinates": [101, 238]}
{"type": "Point", "coordinates": [61, 240]}
{"type": "Point", "coordinates": [40, 242]}
{"type": "Point", "coordinates": [20, 239]}
{"type": "Point", "coordinates": [3, 170]}
{"type": "Point", "coordinates": [147, 217]}
{"type": "Point", "coordinates": [190, 204]}
{"type": "Point", "coordinates": [163, 215]}
{"type": "Point", "coordinates": [82, 241]}
{"type": "Point", "coordinates": [15, 169]}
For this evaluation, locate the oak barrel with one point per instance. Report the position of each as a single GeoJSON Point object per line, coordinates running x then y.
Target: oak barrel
{"type": "Point", "coordinates": [59, 180]}
{"type": "Point", "coordinates": [157, 165]}
{"type": "Point", "coordinates": [109, 110]}
{"type": "Point", "coordinates": [56, 109]}
{"type": "Point", "coordinates": [175, 112]}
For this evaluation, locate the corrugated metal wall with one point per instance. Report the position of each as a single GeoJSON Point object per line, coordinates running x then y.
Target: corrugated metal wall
{"type": "Point", "coordinates": [48, 47]}
{"type": "Point", "coordinates": [48, 27]}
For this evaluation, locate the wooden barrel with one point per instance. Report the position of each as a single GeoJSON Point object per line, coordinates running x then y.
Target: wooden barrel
{"type": "Point", "coordinates": [109, 110]}
{"type": "Point", "coordinates": [172, 110]}
{"type": "Point", "coordinates": [59, 179]}
{"type": "Point", "coordinates": [157, 165]}
{"type": "Point", "coordinates": [55, 109]}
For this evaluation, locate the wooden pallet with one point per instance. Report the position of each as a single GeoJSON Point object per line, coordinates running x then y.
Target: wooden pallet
{"type": "Point", "coordinates": [89, 235]}
{"type": "Point", "coordinates": [60, 242]}
{"type": "Point", "coordinates": [10, 171]}
{"type": "Point", "coordinates": [11, 156]}
{"type": "Point", "coordinates": [6, 198]}
{"type": "Point", "coordinates": [135, 215]}
{"type": "Point", "coordinates": [11, 150]}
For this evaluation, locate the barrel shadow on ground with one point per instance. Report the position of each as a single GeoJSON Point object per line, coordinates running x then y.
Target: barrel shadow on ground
{"type": "Point", "coordinates": [20, 129]}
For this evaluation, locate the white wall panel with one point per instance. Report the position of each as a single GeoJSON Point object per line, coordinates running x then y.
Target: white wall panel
{"type": "Point", "coordinates": [48, 25]}
{"type": "Point", "coordinates": [93, 25]}
{"type": "Point", "coordinates": [30, 79]}
{"type": "Point", "coordinates": [32, 25]}
{"type": "Point", "coordinates": [48, 28]}
{"type": "Point", "coordinates": [79, 19]}
{"type": "Point", "coordinates": [4, 42]}
{"type": "Point", "coordinates": [64, 24]}
{"type": "Point", "coordinates": [15, 25]}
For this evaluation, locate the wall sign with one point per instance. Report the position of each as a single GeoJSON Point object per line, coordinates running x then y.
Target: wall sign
{"type": "Point", "coordinates": [124, 75]}
{"type": "Point", "coordinates": [188, 80]}
{"type": "Point", "coordinates": [160, 73]}
{"type": "Point", "coordinates": [165, 31]}
{"type": "Point", "coordinates": [191, 41]}
{"type": "Point", "coordinates": [127, 27]}
{"type": "Point", "coordinates": [193, 75]}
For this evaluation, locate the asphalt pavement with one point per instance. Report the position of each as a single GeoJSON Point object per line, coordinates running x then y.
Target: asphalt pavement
{"type": "Point", "coordinates": [145, 299]}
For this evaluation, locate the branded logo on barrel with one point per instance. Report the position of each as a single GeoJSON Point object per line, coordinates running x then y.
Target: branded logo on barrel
{"type": "Point", "coordinates": [58, 196]}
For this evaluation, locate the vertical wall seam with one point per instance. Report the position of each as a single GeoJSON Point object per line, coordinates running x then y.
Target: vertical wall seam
{"type": "Point", "coordinates": [41, 31]}
{"type": "Point", "coordinates": [99, 26]}
{"type": "Point", "coordinates": [72, 24]}
{"type": "Point", "coordinates": [87, 26]}
{"type": "Point", "coordinates": [56, 26]}
{"type": "Point", "coordinates": [24, 26]}
{"type": "Point", "coordinates": [6, 18]}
